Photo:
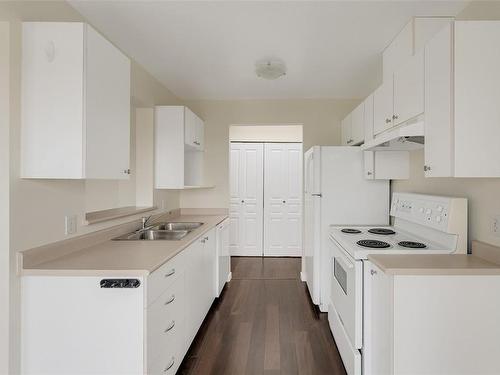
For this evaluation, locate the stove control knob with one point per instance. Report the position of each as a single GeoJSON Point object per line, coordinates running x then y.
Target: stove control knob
{"type": "Point", "coordinates": [429, 211]}
{"type": "Point", "coordinates": [438, 219]}
{"type": "Point", "coordinates": [440, 208]}
{"type": "Point", "coordinates": [421, 210]}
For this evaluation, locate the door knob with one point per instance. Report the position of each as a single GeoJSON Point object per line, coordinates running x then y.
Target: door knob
{"type": "Point", "coordinates": [242, 201]}
{"type": "Point", "coordinates": [284, 201]}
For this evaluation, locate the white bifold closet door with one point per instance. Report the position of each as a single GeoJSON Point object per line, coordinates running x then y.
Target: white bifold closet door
{"type": "Point", "coordinates": [282, 199]}
{"type": "Point", "coordinates": [246, 199]}
{"type": "Point", "coordinates": [266, 199]}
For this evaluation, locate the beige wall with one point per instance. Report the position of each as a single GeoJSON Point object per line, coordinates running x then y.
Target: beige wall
{"type": "Point", "coordinates": [39, 206]}
{"type": "Point", "coordinates": [321, 126]}
{"type": "Point", "coordinates": [4, 196]}
{"type": "Point", "coordinates": [483, 193]}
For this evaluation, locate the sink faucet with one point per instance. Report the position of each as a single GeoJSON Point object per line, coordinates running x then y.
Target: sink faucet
{"type": "Point", "coordinates": [145, 220]}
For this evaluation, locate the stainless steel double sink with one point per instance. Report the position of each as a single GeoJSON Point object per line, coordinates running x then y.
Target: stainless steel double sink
{"type": "Point", "coordinates": [169, 231]}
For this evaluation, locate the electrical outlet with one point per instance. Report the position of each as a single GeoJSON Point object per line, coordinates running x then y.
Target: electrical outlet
{"type": "Point", "coordinates": [70, 224]}
{"type": "Point", "coordinates": [495, 226]}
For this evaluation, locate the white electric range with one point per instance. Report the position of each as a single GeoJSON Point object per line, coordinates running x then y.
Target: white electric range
{"type": "Point", "coordinates": [423, 224]}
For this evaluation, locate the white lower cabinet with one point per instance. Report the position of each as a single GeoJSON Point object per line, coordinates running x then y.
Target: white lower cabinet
{"type": "Point", "coordinates": [430, 324]}
{"type": "Point", "coordinates": [71, 324]}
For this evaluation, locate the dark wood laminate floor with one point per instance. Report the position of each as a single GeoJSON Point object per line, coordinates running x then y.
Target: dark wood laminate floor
{"type": "Point", "coordinates": [264, 323]}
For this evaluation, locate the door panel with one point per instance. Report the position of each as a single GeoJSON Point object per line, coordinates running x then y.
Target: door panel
{"type": "Point", "coordinates": [383, 107]}
{"type": "Point", "coordinates": [246, 199]}
{"type": "Point", "coordinates": [283, 199]}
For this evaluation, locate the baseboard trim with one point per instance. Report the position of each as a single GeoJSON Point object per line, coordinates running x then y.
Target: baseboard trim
{"type": "Point", "coordinates": [229, 276]}
{"type": "Point", "coordinates": [323, 307]}
{"type": "Point", "coordinates": [303, 276]}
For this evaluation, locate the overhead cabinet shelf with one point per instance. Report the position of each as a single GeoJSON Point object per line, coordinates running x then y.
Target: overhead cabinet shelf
{"type": "Point", "coordinates": [179, 149]}
{"type": "Point", "coordinates": [75, 104]}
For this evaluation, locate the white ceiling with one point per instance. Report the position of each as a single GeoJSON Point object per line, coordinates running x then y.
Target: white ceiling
{"type": "Point", "coordinates": [207, 50]}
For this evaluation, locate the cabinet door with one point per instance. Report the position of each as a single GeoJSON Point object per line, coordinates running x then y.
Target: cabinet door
{"type": "Point", "coordinates": [378, 321]}
{"type": "Point", "coordinates": [346, 130]}
{"type": "Point", "coordinates": [382, 107]}
{"type": "Point", "coordinates": [194, 290]}
{"type": "Point", "coordinates": [247, 198]}
{"type": "Point", "coordinates": [357, 125]}
{"type": "Point", "coordinates": [399, 51]}
{"type": "Point", "coordinates": [107, 116]}
{"type": "Point", "coordinates": [477, 94]}
{"type": "Point", "coordinates": [200, 134]}
{"type": "Point", "coordinates": [368, 118]}
{"type": "Point", "coordinates": [190, 126]}
{"type": "Point", "coordinates": [369, 162]}
{"type": "Point", "coordinates": [52, 97]}
{"type": "Point", "coordinates": [283, 199]}
{"type": "Point", "coordinates": [438, 105]}
{"type": "Point", "coordinates": [409, 89]}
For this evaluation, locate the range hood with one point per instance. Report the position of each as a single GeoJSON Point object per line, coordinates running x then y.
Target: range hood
{"type": "Point", "coordinates": [406, 137]}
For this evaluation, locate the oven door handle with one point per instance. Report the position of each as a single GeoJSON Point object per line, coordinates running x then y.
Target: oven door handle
{"type": "Point", "coordinates": [344, 259]}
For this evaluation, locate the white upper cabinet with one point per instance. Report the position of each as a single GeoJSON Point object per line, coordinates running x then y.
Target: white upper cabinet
{"type": "Point", "coordinates": [194, 130]}
{"type": "Point", "coordinates": [353, 127]}
{"type": "Point", "coordinates": [368, 118]}
{"type": "Point", "coordinates": [409, 89]}
{"type": "Point", "coordinates": [358, 125]}
{"type": "Point", "coordinates": [439, 148]}
{"type": "Point", "coordinates": [75, 104]}
{"type": "Point", "coordinates": [383, 107]}
{"type": "Point", "coordinates": [179, 147]}
{"type": "Point", "coordinates": [410, 40]}
{"type": "Point", "coordinates": [396, 53]}
{"type": "Point", "coordinates": [346, 129]}
{"type": "Point", "coordinates": [462, 96]}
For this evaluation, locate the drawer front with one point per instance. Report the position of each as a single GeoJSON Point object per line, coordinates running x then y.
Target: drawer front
{"type": "Point", "coordinates": [165, 321]}
{"type": "Point", "coordinates": [161, 279]}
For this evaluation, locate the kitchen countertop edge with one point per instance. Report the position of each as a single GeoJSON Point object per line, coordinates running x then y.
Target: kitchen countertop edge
{"type": "Point", "coordinates": [414, 264]}
{"type": "Point", "coordinates": [56, 266]}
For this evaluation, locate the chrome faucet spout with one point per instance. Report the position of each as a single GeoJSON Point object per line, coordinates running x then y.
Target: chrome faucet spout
{"type": "Point", "coordinates": [145, 220]}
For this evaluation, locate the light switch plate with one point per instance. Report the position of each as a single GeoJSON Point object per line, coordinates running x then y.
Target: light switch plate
{"type": "Point", "coordinates": [70, 224]}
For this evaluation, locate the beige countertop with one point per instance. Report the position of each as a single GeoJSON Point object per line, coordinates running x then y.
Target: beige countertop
{"type": "Point", "coordinates": [123, 257]}
{"type": "Point", "coordinates": [455, 264]}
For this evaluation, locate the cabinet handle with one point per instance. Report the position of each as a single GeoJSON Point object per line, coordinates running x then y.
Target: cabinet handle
{"type": "Point", "coordinates": [170, 300]}
{"type": "Point", "coordinates": [395, 117]}
{"type": "Point", "coordinates": [284, 201]}
{"type": "Point", "coordinates": [369, 173]}
{"type": "Point", "coordinates": [196, 143]}
{"type": "Point", "coordinates": [427, 168]}
{"type": "Point", "coordinates": [172, 325]}
{"type": "Point", "coordinates": [242, 201]}
{"type": "Point", "coordinates": [169, 365]}
{"type": "Point", "coordinates": [388, 120]}
{"type": "Point", "coordinates": [206, 238]}
{"type": "Point", "coordinates": [126, 171]}
{"type": "Point", "coordinates": [373, 272]}
{"type": "Point", "coordinates": [170, 273]}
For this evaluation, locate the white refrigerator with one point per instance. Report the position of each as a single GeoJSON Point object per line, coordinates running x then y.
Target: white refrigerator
{"type": "Point", "coordinates": [335, 193]}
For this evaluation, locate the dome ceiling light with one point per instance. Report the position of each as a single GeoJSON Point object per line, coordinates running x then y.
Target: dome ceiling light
{"type": "Point", "coordinates": [270, 69]}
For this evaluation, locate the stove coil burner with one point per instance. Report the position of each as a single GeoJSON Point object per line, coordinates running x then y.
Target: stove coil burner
{"type": "Point", "coordinates": [412, 244]}
{"type": "Point", "coordinates": [383, 231]}
{"type": "Point", "coordinates": [374, 244]}
{"type": "Point", "coordinates": [350, 231]}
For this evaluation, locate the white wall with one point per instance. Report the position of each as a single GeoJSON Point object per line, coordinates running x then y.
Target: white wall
{"type": "Point", "coordinates": [321, 126]}
{"type": "Point", "coordinates": [265, 133]}
{"type": "Point", "coordinates": [4, 196]}
{"type": "Point", "coordinates": [39, 206]}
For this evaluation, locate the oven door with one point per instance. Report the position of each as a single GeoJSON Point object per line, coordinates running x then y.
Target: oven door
{"type": "Point", "coordinates": [347, 293]}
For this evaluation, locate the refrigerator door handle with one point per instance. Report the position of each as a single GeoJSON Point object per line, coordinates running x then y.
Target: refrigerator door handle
{"type": "Point", "coordinates": [317, 195]}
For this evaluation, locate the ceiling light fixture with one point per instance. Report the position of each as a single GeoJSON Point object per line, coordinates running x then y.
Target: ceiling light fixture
{"type": "Point", "coordinates": [270, 69]}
